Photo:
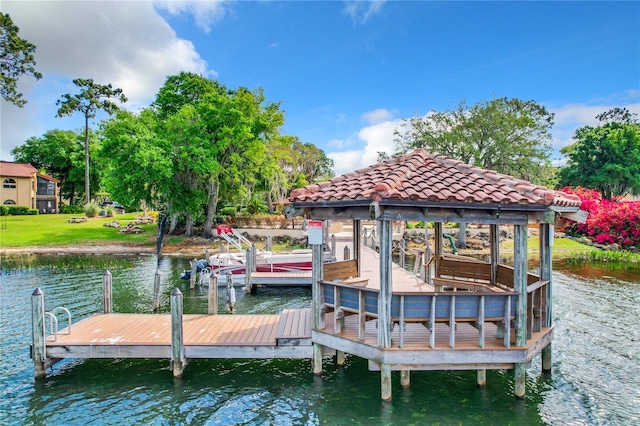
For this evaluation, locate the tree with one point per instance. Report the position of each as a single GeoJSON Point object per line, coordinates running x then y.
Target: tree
{"type": "Point", "coordinates": [92, 98]}
{"type": "Point", "coordinates": [605, 157]}
{"type": "Point", "coordinates": [509, 136]}
{"type": "Point", "coordinates": [16, 59]}
{"type": "Point", "coordinates": [138, 168]}
{"type": "Point", "coordinates": [60, 154]}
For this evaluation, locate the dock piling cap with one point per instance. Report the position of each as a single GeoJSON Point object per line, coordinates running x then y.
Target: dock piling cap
{"type": "Point", "coordinates": [176, 292]}
{"type": "Point", "coordinates": [37, 292]}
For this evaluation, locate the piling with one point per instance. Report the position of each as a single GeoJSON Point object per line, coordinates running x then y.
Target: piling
{"type": "Point", "coordinates": [212, 308]}
{"type": "Point", "coordinates": [178, 361]}
{"type": "Point", "coordinates": [194, 272]}
{"type": "Point", "coordinates": [347, 253]}
{"type": "Point", "coordinates": [38, 348]}
{"type": "Point", "coordinates": [269, 243]}
{"type": "Point", "coordinates": [107, 291]}
{"type": "Point", "coordinates": [156, 292]}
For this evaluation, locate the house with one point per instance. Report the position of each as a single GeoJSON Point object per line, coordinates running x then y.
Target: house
{"type": "Point", "coordinates": [22, 185]}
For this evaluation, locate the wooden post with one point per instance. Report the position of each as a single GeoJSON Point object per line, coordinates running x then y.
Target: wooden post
{"type": "Point", "coordinates": [212, 300]}
{"type": "Point", "coordinates": [107, 291]}
{"type": "Point", "coordinates": [178, 362]}
{"type": "Point", "coordinates": [520, 285]}
{"type": "Point", "coordinates": [437, 246]}
{"type": "Point", "coordinates": [403, 246]}
{"type": "Point", "coordinates": [38, 342]}
{"type": "Point", "coordinates": [385, 381]}
{"type": "Point", "coordinates": [357, 232]}
{"type": "Point", "coordinates": [269, 243]}
{"type": "Point", "coordinates": [346, 253]}
{"type": "Point", "coordinates": [546, 242]}
{"type": "Point", "coordinates": [333, 246]}
{"type": "Point", "coordinates": [206, 254]}
{"type": "Point", "coordinates": [481, 378]}
{"type": "Point", "coordinates": [317, 303]}
{"type": "Point", "coordinates": [384, 297]}
{"type": "Point", "coordinates": [194, 272]}
{"type": "Point", "coordinates": [494, 244]}
{"type": "Point", "coordinates": [231, 293]}
{"type": "Point", "coordinates": [405, 378]}
{"type": "Point", "coordinates": [156, 292]}
{"type": "Point", "coordinates": [248, 269]}
{"type": "Point", "coordinates": [340, 358]}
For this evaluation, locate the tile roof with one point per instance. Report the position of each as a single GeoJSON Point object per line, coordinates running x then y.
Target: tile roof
{"type": "Point", "coordinates": [423, 177]}
{"type": "Point", "coordinates": [23, 170]}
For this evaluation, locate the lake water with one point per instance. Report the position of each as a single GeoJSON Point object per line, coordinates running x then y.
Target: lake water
{"type": "Point", "coordinates": [595, 378]}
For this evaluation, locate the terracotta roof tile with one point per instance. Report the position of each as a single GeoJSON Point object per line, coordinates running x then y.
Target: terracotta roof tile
{"type": "Point", "coordinates": [421, 176]}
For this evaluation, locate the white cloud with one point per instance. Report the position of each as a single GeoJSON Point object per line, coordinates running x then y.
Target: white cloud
{"type": "Point", "coordinates": [377, 138]}
{"type": "Point", "coordinates": [361, 10]}
{"type": "Point", "coordinates": [126, 44]}
{"type": "Point", "coordinates": [205, 13]}
{"type": "Point", "coordinates": [377, 116]}
{"type": "Point", "coordinates": [568, 118]}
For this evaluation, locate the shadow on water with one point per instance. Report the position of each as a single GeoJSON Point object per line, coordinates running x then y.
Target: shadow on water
{"type": "Point", "coordinates": [593, 381]}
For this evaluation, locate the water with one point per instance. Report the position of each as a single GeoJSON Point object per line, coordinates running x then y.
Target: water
{"type": "Point", "coordinates": [594, 380]}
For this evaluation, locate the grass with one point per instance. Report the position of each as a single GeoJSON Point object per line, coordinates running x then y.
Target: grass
{"type": "Point", "coordinates": [562, 247]}
{"type": "Point", "coordinates": [54, 230]}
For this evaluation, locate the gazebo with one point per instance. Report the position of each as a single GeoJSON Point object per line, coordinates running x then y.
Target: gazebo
{"type": "Point", "coordinates": [466, 314]}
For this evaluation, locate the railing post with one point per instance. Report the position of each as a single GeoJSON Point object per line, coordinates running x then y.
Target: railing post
{"type": "Point", "coordinates": [268, 243]}
{"type": "Point", "coordinates": [403, 246]}
{"type": "Point", "coordinates": [156, 292]}
{"type": "Point", "coordinates": [38, 345]}
{"type": "Point", "coordinates": [346, 254]}
{"type": "Point", "coordinates": [178, 361]}
{"type": "Point", "coordinates": [212, 305]}
{"type": "Point", "coordinates": [107, 291]}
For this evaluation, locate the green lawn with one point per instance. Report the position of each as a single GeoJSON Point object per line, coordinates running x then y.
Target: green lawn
{"type": "Point", "coordinates": [54, 230]}
{"type": "Point", "coordinates": [561, 246]}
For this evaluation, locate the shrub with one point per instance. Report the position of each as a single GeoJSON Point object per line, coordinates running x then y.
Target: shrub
{"type": "Point", "coordinates": [91, 210]}
{"type": "Point", "coordinates": [72, 209]}
{"type": "Point", "coordinates": [17, 210]}
{"type": "Point", "coordinates": [609, 222]}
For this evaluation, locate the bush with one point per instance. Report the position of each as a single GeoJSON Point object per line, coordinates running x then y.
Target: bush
{"type": "Point", "coordinates": [91, 210]}
{"type": "Point", "coordinates": [17, 210]}
{"type": "Point", "coordinates": [72, 209]}
{"type": "Point", "coordinates": [609, 222]}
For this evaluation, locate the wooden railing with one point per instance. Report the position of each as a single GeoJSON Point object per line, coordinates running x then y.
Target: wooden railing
{"type": "Point", "coordinates": [428, 308]}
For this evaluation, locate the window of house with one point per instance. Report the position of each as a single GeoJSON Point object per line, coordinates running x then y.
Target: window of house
{"type": "Point", "coordinates": [9, 202]}
{"type": "Point", "coordinates": [9, 183]}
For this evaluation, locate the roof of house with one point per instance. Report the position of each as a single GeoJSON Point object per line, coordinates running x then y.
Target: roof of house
{"type": "Point", "coordinates": [21, 170]}
{"type": "Point", "coordinates": [423, 177]}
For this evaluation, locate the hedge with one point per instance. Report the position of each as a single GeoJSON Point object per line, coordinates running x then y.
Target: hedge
{"type": "Point", "coordinates": [11, 210]}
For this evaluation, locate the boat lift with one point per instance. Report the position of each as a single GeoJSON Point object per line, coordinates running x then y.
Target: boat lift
{"type": "Point", "coordinates": [232, 237]}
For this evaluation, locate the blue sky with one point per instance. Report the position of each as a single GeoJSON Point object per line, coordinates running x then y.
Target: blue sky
{"type": "Point", "coordinates": [346, 73]}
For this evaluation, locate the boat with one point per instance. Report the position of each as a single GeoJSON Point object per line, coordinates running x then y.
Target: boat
{"type": "Point", "coordinates": [235, 262]}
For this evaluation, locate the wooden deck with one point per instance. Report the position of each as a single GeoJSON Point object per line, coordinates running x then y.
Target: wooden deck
{"type": "Point", "coordinates": [287, 335]}
{"type": "Point", "coordinates": [278, 279]}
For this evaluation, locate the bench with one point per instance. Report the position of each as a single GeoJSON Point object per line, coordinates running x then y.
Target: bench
{"type": "Point", "coordinates": [458, 272]}
{"type": "Point", "coordinates": [77, 219]}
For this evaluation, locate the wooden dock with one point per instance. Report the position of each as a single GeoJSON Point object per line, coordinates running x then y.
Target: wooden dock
{"type": "Point", "coordinates": [115, 335]}
{"type": "Point", "coordinates": [281, 279]}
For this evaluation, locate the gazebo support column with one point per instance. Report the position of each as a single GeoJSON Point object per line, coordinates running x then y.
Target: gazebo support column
{"type": "Point", "coordinates": [384, 304]}
{"type": "Point", "coordinates": [317, 304]}
{"type": "Point", "coordinates": [546, 241]}
{"type": "Point", "coordinates": [520, 285]}
{"type": "Point", "coordinates": [357, 232]}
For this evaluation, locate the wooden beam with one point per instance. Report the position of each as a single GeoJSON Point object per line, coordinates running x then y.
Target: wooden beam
{"type": "Point", "coordinates": [546, 242]}
{"type": "Point", "coordinates": [520, 285]}
{"type": "Point", "coordinates": [178, 361]}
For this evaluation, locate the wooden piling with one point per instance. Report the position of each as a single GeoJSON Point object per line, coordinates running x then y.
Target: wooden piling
{"type": "Point", "coordinates": [316, 304]}
{"type": "Point", "coordinates": [546, 241]}
{"type": "Point", "coordinates": [385, 382]}
{"type": "Point", "coordinates": [156, 292]}
{"type": "Point", "coordinates": [340, 358]}
{"type": "Point", "coordinates": [333, 246]}
{"type": "Point", "coordinates": [269, 243]}
{"type": "Point", "coordinates": [38, 346]}
{"type": "Point", "coordinates": [481, 378]}
{"type": "Point", "coordinates": [405, 378]}
{"type": "Point", "coordinates": [520, 285]}
{"type": "Point", "coordinates": [194, 272]}
{"type": "Point", "coordinates": [346, 255]}
{"type": "Point", "coordinates": [107, 291]}
{"type": "Point", "coordinates": [248, 269]}
{"type": "Point", "coordinates": [212, 300]}
{"type": "Point", "coordinates": [178, 362]}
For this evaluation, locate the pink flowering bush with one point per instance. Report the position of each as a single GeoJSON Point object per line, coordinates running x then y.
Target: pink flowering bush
{"type": "Point", "coordinates": [609, 222]}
